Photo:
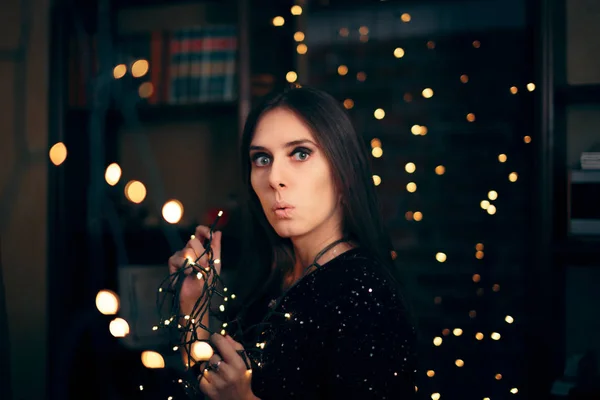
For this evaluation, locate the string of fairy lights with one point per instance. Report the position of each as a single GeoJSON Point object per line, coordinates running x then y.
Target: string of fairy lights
{"type": "Point", "coordinates": [188, 329]}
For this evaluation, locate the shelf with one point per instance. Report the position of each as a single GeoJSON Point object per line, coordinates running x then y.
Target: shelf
{"type": "Point", "coordinates": [579, 94]}
{"type": "Point", "coordinates": [149, 114]}
{"type": "Point", "coordinates": [149, 3]}
{"type": "Point", "coordinates": [585, 176]}
{"type": "Point", "coordinates": [583, 250]}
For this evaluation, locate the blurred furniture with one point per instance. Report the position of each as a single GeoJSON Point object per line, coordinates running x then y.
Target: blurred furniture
{"type": "Point", "coordinates": [5, 376]}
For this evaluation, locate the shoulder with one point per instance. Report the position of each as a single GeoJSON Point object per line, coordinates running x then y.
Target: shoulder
{"type": "Point", "coordinates": [353, 270]}
{"type": "Point", "coordinates": [359, 281]}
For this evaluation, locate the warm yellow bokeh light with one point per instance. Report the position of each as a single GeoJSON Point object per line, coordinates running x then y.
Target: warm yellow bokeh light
{"type": "Point", "coordinates": [431, 373]}
{"type": "Point", "coordinates": [437, 341]}
{"type": "Point", "coordinates": [484, 204]}
{"type": "Point", "coordinates": [296, 10]}
{"type": "Point", "coordinates": [375, 143]}
{"type": "Point", "coordinates": [411, 187]}
{"type": "Point", "coordinates": [139, 68]}
{"type": "Point", "coordinates": [418, 215]}
{"type": "Point", "coordinates": [291, 76]}
{"type": "Point", "coordinates": [457, 331]}
{"type": "Point", "coordinates": [299, 36]}
{"type": "Point", "coordinates": [201, 351]}
{"type": "Point", "coordinates": [531, 87]}
{"type": "Point", "coordinates": [172, 211]}
{"type": "Point", "coordinates": [348, 104]}
{"type": "Point", "coordinates": [427, 93]}
{"type": "Point", "coordinates": [435, 396]}
{"type": "Point", "coordinates": [476, 278]}
{"type": "Point", "coordinates": [415, 130]}
{"type": "Point", "coordinates": [509, 319]}
{"type": "Point", "coordinates": [471, 117]}
{"type": "Point", "coordinates": [119, 71]}
{"type": "Point", "coordinates": [527, 139]}
{"type": "Point", "coordinates": [440, 170]}
{"type": "Point", "coordinates": [459, 363]}
{"type": "Point", "coordinates": [491, 209]}
{"type": "Point", "coordinates": [152, 360]}
{"type": "Point", "coordinates": [498, 377]}
{"type": "Point", "coordinates": [278, 21]}
{"type": "Point", "coordinates": [58, 153]}
{"type": "Point", "coordinates": [376, 180]}
{"type": "Point", "coordinates": [118, 327]}
{"type": "Point", "coordinates": [479, 247]}
{"type": "Point", "coordinates": [513, 176]}
{"type": "Point", "coordinates": [479, 336]}
{"type": "Point", "coordinates": [441, 257]}
{"type": "Point", "coordinates": [514, 390]}
{"type": "Point", "coordinates": [514, 90]}
{"type": "Point", "coordinates": [107, 302]}
{"type": "Point", "coordinates": [301, 48]}
{"type": "Point", "coordinates": [492, 195]}
{"type": "Point", "coordinates": [410, 167]}
{"type": "Point", "coordinates": [145, 90]}
{"type": "Point", "coordinates": [502, 158]}
{"type": "Point", "coordinates": [379, 113]}
{"type": "Point", "coordinates": [112, 174]}
{"type": "Point", "coordinates": [135, 191]}
{"type": "Point", "coordinates": [398, 52]}
{"type": "Point", "coordinates": [377, 152]}
{"type": "Point", "coordinates": [479, 255]}
{"type": "Point", "coordinates": [405, 17]}
{"type": "Point", "coordinates": [495, 336]}
{"type": "Point", "coordinates": [342, 70]}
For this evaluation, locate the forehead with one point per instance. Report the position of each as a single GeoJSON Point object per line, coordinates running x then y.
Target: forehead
{"type": "Point", "coordinates": [280, 126]}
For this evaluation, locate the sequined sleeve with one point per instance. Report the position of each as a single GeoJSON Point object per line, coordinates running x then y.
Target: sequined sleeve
{"type": "Point", "coordinates": [370, 339]}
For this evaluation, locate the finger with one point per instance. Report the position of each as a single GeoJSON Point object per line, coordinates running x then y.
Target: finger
{"type": "Point", "coordinates": [236, 345]}
{"type": "Point", "coordinates": [206, 385]}
{"type": "Point", "coordinates": [224, 371]}
{"type": "Point", "coordinates": [227, 351]}
{"type": "Point", "coordinates": [177, 260]}
{"type": "Point", "coordinates": [196, 246]}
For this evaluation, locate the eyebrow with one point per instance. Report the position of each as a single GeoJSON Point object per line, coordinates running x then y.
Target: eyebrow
{"type": "Point", "coordinates": [288, 144]}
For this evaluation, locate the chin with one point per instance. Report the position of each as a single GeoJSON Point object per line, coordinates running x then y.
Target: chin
{"type": "Point", "coordinates": [286, 229]}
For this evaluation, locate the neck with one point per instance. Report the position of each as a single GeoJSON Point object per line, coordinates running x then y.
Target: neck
{"type": "Point", "coordinates": [308, 247]}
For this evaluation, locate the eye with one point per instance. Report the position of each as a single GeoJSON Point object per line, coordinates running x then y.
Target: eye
{"type": "Point", "coordinates": [301, 154]}
{"type": "Point", "coordinates": [260, 159]}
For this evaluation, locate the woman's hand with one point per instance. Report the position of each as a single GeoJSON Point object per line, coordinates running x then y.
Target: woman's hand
{"type": "Point", "coordinates": [227, 378]}
{"type": "Point", "coordinates": [191, 288]}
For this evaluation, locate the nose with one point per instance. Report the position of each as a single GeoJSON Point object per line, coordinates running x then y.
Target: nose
{"type": "Point", "coordinates": [277, 176]}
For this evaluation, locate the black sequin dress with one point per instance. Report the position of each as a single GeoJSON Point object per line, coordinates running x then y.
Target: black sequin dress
{"type": "Point", "coordinates": [341, 332]}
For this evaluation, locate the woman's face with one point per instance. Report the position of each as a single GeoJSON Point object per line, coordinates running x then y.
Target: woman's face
{"type": "Point", "coordinates": [292, 178]}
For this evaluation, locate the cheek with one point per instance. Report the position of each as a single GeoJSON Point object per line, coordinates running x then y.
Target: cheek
{"type": "Point", "coordinates": [255, 182]}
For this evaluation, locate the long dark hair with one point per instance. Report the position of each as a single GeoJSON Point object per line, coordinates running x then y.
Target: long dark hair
{"type": "Point", "coordinates": [267, 256]}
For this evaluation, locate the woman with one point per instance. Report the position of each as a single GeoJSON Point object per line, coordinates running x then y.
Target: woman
{"type": "Point", "coordinates": [337, 323]}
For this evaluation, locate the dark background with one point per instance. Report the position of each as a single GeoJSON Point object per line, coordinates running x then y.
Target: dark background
{"type": "Point", "coordinates": [65, 234]}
